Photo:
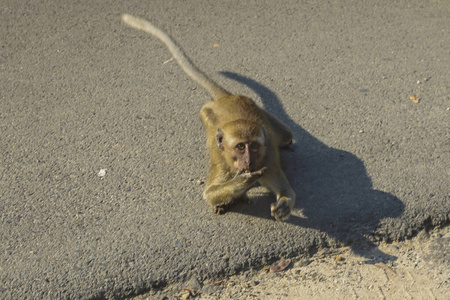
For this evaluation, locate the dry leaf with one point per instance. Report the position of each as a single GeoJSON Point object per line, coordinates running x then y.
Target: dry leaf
{"type": "Point", "coordinates": [385, 267]}
{"type": "Point", "coordinates": [265, 269]}
{"type": "Point", "coordinates": [216, 45]}
{"type": "Point", "coordinates": [191, 291]}
{"type": "Point", "coordinates": [414, 99]}
{"type": "Point", "coordinates": [217, 282]}
{"type": "Point", "coordinates": [279, 266]}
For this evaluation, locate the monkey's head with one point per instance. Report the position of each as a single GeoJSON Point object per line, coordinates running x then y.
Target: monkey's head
{"type": "Point", "coordinates": [243, 144]}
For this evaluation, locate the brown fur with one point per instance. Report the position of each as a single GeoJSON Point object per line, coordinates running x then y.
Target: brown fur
{"type": "Point", "coordinates": [243, 140]}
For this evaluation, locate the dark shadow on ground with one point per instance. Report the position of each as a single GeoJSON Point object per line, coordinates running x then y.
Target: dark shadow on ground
{"type": "Point", "coordinates": [333, 189]}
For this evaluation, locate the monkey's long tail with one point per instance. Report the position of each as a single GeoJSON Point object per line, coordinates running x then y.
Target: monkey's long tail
{"type": "Point", "coordinates": [215, 90]}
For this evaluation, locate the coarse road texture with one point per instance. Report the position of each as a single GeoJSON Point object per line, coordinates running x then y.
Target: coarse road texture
{"type": "Point", "coordinates": [421, 270]}
{"type": "Point", "coordinates": [83, 95]}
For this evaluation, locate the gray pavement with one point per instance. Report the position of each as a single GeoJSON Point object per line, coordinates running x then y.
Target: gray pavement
{"type": "Point", "coordinates": [81, 93]}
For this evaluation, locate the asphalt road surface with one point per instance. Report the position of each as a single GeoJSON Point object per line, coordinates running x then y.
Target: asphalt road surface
{"type": "Point", "coordinates": [83, 95]}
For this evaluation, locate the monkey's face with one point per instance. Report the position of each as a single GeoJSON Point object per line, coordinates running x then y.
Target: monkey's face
{"type": "Point", "coordinates": [247, 155]}
{"type": "Point", "coordinates": [243, 151]}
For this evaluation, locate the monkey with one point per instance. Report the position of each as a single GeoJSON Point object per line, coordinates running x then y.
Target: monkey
{"type": "Point", "coordinates": [243, 140]}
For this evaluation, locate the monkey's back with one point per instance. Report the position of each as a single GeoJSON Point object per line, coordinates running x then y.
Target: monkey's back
{"type": "Point", "coordinates": [236, 107]}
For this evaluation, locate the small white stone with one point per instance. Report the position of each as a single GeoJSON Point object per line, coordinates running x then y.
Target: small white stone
{"type": "Point", "coordinates": [102, 172]}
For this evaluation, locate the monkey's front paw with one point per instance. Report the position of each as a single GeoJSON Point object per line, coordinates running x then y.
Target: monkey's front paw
{"type": "Point", "coordinates": [280, 210]}
{"type": "Point", "coordinates": [260, 172]}
{"type": "Point", "coordinates": [219, 209]}
{"type": "Point", "coordinates": [255, 175]}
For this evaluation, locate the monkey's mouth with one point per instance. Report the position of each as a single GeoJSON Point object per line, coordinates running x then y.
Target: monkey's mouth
{"type": "Point", "coordinates": [244, 171]}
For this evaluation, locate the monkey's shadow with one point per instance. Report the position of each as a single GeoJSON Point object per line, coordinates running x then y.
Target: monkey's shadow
{"type": "Point", "coordinates": [333, 189]}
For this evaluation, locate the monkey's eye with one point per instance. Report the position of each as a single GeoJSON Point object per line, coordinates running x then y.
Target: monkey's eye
{"type": "Point", "coordinates": [254, 146]}
{"type": "Point", "coordinates": [240, 146]}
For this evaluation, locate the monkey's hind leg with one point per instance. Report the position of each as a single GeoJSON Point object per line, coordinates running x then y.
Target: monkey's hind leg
{"type": "Point", "coordinates": [282, 132]}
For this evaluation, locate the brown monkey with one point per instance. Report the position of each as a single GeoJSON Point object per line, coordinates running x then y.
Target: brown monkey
{"type": "Point", "coordinates": [243, 140]}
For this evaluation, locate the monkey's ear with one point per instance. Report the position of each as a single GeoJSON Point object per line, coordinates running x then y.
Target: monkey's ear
{"type": "Point", "coordinates": [219, 138]}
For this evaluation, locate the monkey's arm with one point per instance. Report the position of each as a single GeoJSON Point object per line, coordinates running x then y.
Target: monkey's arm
{"type": "Point", "coordinates": [276, 181]}
{"type": "Point", "coordinates": [223, 193]}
